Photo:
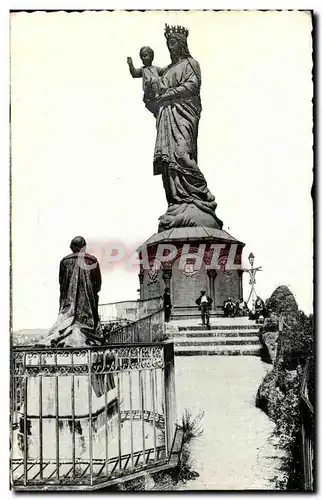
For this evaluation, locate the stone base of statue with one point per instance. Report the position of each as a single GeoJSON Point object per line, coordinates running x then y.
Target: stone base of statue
{"type": "Point", "coordinates": [188, 260]}
{"type": "Point", "coordinates": [68, 402]}
{"type": "Point", "coordinates": [188, 215]}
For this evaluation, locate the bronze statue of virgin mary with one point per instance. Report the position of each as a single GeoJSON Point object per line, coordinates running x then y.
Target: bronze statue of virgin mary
{"type": "Point", "coordinates": [177, 110]}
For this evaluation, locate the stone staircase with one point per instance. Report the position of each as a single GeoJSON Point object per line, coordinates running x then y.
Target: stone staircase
{"type": "Point", "coordinates": [227, 337]}
{"type": "Point", "coordinates": [190, 312]}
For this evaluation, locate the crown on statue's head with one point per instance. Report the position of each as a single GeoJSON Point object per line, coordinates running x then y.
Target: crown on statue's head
{"type": "Point", "coordinates": [170, 30]}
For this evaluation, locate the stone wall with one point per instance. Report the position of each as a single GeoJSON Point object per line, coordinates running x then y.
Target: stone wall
{"type": "Point", "coordinates": [227, 285]}
{"type": "Point", "coordinates": [185, 288]}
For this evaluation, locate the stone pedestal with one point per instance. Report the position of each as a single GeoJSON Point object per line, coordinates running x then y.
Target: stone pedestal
{"type": "Point", "coordinates": [188, 260]}
{"type": "Point", "coordinates": [73, 398]}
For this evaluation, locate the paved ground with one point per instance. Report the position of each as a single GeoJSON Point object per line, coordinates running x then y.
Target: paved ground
{"type": "Point", "coordinates": [234, 452]}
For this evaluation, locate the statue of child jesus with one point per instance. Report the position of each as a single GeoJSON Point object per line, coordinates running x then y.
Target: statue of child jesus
{"type": "Point", "coordinates": [151, 82]}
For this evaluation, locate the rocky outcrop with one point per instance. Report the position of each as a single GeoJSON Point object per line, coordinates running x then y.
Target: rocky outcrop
{"type": "Point", "coordinates": [281, 302]}
{"type": "Point", "coordinates": [287, 350]}
{"type": "Point", "coordinates": [269, 342]}
{"type": "Point", "coordinates": [268, 337]}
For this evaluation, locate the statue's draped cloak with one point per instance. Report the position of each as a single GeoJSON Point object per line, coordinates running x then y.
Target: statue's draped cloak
{"type": "Point", "coordinates": [175, 156]}
{"type": "Point", "coordinates": [78, 321]}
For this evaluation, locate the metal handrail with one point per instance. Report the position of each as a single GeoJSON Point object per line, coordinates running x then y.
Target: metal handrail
{"type": "Point", "coordinates": [139, 320]}
{"type": "Point", "coordinates": [303, 389]}
{"type": "Point", "coordinates": [129, 310]}
{"type": "Point", "coordinates": [46, 350]}
{"type": "Point", "coordinates": [141, 330]}
{"type": "Point", "coordinates": [307, 431]}
{"type": "Point", "coordinates": [134, 301]}
{"type": "Point", "coordinates": [117, 319]}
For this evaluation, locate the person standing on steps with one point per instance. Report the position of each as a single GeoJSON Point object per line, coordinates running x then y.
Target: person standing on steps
{"type": "Point", "coordinates": [167, 305]}
{"type": "Point", "coordinates": [204, 304]}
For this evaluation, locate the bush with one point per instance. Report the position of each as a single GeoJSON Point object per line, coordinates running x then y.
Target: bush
{"type": "Point", "coordinates": [282, 301]}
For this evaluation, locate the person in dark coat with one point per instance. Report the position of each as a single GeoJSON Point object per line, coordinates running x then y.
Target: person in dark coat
{"type": "Point", "coordinates": [204, 304]}
{"type": "Point", "coordinates": [78, 321]}
{"type": "Point", "coordinates": [241, 308]}
{"type": "Point", "coordinates": [167, 305]}
{"type": "Point", "coordinates": [260, 309]}
{"type": "Point", "coordinates": [228, 308]}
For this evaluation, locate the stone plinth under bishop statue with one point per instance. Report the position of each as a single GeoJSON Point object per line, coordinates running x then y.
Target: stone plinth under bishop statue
{"type": "Point", "coordinates": [172, 95]}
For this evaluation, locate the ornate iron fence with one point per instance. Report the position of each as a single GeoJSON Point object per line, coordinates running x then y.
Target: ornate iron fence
{"type": "Point", "coordinates": [307, 427]}
{"type": "Point", "coordinates": [84, 418]}
{"type": "Point", "coordinates": [148, 329]}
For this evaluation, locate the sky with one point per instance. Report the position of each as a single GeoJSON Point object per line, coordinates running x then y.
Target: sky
{"type": "Point", "coordinates": [83, 142]}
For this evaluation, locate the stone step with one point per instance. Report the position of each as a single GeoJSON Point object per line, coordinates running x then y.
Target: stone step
{"type": "Point", "coordinates": [193, 315]}
{"type": "Point", "coordinates": [213, 333]}
{"type": "Point", "coordinates": [253, 328]}
{"type": "Point", "coordinates": [207, 341]}
{"type": "Point", "coordinates": [219, 350]}
{"type": "Point", "coordinates": [215, 321]}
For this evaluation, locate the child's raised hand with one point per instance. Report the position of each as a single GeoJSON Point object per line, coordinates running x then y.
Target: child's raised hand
{"type": "Point", "coordinates": [129, 60]}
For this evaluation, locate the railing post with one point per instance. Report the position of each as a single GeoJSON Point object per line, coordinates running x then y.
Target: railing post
{"type": "Point", "coordinates": [307, 438]}
{"type": "Point", "coordinates": [170, 399]}
{"type": "Point", "coordinates": [306, 448]}
{"type": "Point", "coordinates": [162, 320]}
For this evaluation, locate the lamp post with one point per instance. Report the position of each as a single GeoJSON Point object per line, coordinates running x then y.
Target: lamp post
{"type": "Point", "coordinates": [252, 278]}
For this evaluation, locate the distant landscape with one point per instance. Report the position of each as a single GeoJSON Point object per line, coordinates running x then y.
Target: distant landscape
{"type": "Point", "coordinates": [28, 336]}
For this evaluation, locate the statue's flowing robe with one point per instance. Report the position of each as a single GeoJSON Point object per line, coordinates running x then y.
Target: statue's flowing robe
{"type": "Point", "coordinates": [175, 156]}
{"type": "Point", "coordinates": [77, 326]}
{"type": "Point", "coordinates": [78, 322]}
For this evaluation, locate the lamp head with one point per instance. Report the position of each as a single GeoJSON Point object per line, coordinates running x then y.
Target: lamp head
{"type": "Point", "coordinates": [251, 259]}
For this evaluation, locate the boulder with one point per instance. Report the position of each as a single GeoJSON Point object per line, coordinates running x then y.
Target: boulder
{"type": "Point", "coordinates": [269, 334]}
{"type": "Point", "coordinates": [269, 341]}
